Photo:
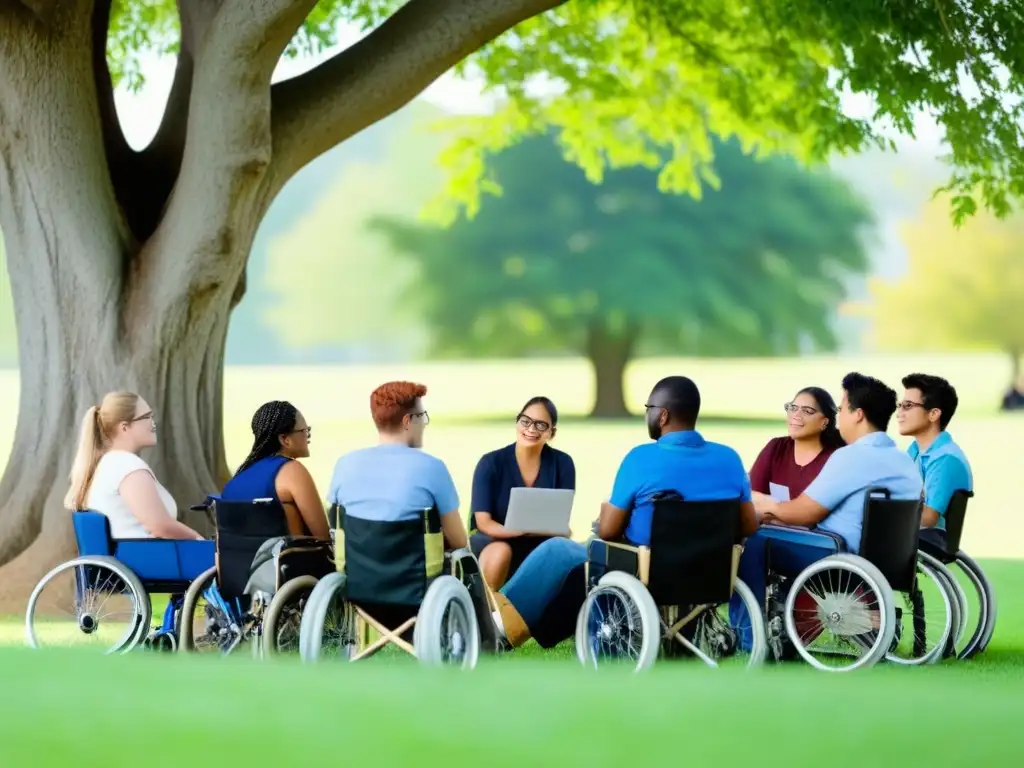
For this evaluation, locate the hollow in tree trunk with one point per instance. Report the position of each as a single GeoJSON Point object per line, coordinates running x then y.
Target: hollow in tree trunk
{"type": "Point", "coordinates": [609, 352]}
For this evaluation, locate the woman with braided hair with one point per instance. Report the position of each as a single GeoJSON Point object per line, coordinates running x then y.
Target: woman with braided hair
{"type": "Point", "coordinates": [270, 471]}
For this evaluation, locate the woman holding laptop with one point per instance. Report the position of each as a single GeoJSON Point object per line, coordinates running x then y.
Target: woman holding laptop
{"type": "Point", "coordinates": [529, 462]}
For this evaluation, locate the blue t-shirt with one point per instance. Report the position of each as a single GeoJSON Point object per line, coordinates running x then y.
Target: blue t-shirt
{"type": "Point", "coordinates": [945, 470]}
{"type": "Point", "coordinates": [683, 462]}
{"type": "Point", "coordinates": [873, 461]}
{"type": "Point", "coordinates": [392, 483]}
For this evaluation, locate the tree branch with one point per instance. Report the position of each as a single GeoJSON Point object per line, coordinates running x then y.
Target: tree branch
{"type": "Point", "coordinates": [382, 73]}
{"type": "Point", "coordinates": [204, 236]}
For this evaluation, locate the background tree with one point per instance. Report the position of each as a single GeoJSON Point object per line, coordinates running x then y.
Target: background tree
{"type": "Point", "coordinates": [963, 289]}
{"type": "Point", "coordinates": [557, 263]}
{"type": "Point", "coordinates": [351, 285]}
{"type": "Point", "coordinates": [125, 265]}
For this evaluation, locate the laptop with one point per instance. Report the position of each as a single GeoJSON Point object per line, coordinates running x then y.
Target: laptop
{"type": "Point", "coordinates": [543, 511]}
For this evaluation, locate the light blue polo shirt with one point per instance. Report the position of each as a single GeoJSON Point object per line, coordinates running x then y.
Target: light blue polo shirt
{"type": "Point", "coordinates": [683, 462]}
{"type": "Point", "coordinates": [945, 470]}
{"type": "Point", "coordinates": [391, 483]}
{"type": "Point", "coordinates": [873, 461]}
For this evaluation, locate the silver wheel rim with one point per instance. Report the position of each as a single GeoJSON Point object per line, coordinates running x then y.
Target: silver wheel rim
{"type": "Point", "coordinates": [87, 602]}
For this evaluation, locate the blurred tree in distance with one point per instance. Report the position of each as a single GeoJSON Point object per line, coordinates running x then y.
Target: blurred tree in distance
{"type": "Point", "coordinates": [964, 288]}
{"type": "Point", "coordinates": [559, 264]}
{"type": "Point", "coordinates": [350, 294]}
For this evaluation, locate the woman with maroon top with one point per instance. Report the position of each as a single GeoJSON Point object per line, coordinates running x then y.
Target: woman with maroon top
{"type": "Point", "coordinates": [792, 462]}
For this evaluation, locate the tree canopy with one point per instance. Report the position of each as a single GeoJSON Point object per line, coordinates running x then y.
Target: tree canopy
{"type": "Point", "coordinates": [559, 264]}
{"type": "Point", "coordinates": [964, 288]}
{"type": "Point", "coordinates": [633, 81]}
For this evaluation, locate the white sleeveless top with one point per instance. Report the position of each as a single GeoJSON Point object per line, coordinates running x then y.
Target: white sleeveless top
{"type": "Point", "coordinates": [105, 494]}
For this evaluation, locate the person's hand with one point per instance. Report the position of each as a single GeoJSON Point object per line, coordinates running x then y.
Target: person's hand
{"type": "Point", "coordinates": [764, 505]}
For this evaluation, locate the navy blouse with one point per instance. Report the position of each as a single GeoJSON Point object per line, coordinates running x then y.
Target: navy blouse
{"type": "Point", "coordinates": [497, 473]}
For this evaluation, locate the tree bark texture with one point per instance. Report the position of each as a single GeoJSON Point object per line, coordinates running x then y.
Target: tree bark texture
{"type": "Point", "coordinates": [609, 353]}
{"type": "Point", "coordinates": [125, 265]}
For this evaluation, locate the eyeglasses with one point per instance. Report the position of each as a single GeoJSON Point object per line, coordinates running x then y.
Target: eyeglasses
{"type": "Point", "coordinates": [307, 430]}
{"type": "Point", "coordinates": [908, 405]}
{"type": "Point", "coordinates": [806, 410]}
{"type": "Point", "coordinates": [526, 422]}
{"type": "Point", "coordinates": [144, 417]}
{"type": "Point", "coordinates": [424, 414]}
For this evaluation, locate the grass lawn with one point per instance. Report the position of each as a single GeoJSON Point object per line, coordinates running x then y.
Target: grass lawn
{"type": "Point", "coordinates": [65, 707]}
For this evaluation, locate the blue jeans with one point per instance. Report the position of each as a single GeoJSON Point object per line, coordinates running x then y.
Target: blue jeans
{"type": "Point", "coordinates": [540, 578]}
{"type": "Point", "coordinates": [790, 550]}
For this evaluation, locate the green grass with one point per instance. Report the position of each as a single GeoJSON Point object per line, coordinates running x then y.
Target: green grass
{"type": "Point", "coordinates": [65, 707]}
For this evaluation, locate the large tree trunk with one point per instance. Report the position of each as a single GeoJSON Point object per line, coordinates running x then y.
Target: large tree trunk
{"type": "Point", "coordinates": [94, 310]}
{"type": "Point", "coordinates": [609, 352]}
{"type": "Point", "coordinates": [125, 265]}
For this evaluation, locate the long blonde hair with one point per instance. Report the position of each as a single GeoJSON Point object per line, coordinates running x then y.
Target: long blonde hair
{"type": "Point", "coordinates": [98, 427]}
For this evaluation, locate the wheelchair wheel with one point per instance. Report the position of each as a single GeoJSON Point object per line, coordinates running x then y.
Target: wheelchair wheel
{"type": "Point", "coordinates": [925, 623]}
{"type": "Point", "coordinates": [446, 630]}
{"type": "Point", "coordinates": [283, 618]}
{"type": "Point", "coordinates": [89, 601]}
{"type": "Point", "coordinates": [715, 636]}
{"type": "Point", "coordinates": [836, 628]}
{"type": "Point", "coordinates": [618, 623]}
{"type": "Point", "coordinates": [328, 628]}
{"type": "Point", "coordinates": [207, 624]}
{"type": "Point", "coordinates": [981, 616]}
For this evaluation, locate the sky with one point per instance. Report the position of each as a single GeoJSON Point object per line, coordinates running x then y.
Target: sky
{"type": "Point", "coordinates": [141, 112]}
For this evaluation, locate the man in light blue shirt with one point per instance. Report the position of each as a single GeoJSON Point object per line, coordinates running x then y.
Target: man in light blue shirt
{"type": "Point", "coordinates": [928, 405]}
{"type": "Point", "coordinates": [832, 507]}
{"type": "Point", "coordinates": [395, 480]}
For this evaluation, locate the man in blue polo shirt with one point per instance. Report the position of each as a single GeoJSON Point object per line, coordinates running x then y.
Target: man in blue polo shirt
{"type": "Point", "coordinates": [833, 504]}
{"type": "Point", "coordinates": [928, 405]}
{"type": "Point", "coordinates": [679, 460]}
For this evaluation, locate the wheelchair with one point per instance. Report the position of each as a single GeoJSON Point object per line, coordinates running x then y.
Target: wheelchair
{"type": "Point", "coordinates": [957, 566]}
{"type": "Point", "coordinates": [841, 613]}
{"type": "Point", "coordinates": [673, 596]}
{"type": "Point", "coordinates": [106, 591]}
{"type": "Point", "coordinates": [393, 579]}
{"type": "Point", "coordinates": [255, 592]}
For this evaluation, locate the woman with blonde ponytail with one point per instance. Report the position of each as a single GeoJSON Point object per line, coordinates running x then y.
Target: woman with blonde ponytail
{"type": "Point", "coordinates": [109, 476]}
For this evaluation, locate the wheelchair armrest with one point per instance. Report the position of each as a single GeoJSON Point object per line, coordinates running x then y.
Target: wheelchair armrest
{"type": "Point", "coordinates": [643, 556]}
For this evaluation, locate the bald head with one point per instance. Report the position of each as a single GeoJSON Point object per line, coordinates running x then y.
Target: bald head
{"type": "Point", "coordinates": [673, 405]}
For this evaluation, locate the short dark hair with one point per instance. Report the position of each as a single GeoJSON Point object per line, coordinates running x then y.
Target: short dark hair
{"type": "Point", "coordinates": [548, 406]}
{"type": "Point", "coordinates": [936, 392]}
{"type": "Point", "coordinates": [874, 397]}
{"type": "Point", "coordinates": [680, 397]}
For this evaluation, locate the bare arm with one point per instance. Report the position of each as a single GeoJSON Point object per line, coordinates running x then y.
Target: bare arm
{"type": "Point", "coordinates": [803, 510]}
{"type": "Point", "coordinates": [611, 525]}
{"type": "Point", "coordinates": [929, 517]}
{"type": "Point", "coordinates": [454, 531]}
{"type": "Point", "coordinates": [488, 525]}
{"type": "Point", "coordinates": [138, 489]}
{"type": "Point", "coordinates": [295, 486]}
{"type": "Point", "coordinates": [748, 519]}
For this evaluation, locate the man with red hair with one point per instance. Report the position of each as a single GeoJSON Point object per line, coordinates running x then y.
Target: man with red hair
{"type": "Point", "coordinates": [396, 480]}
